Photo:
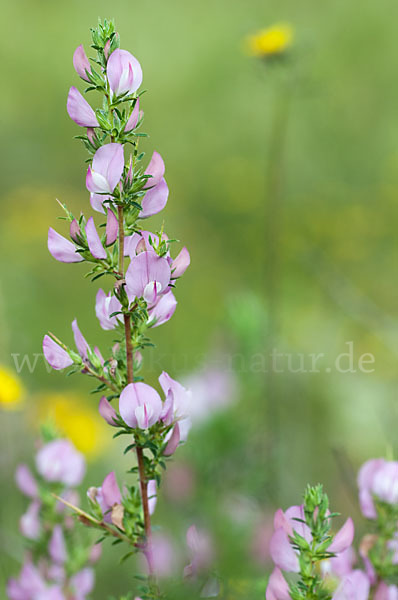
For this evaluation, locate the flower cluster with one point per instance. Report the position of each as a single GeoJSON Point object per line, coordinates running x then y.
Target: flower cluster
{"type": "Point", "coordinates": [302, 539]}
{"type": "Point", "coordinates": [123, 190]}
{"type": "Point", "coordinates": [327, 566]}
{"type": "Point", "coordinates": [57, 558]}
{"type": "Point", "coordinates": [378, 497]}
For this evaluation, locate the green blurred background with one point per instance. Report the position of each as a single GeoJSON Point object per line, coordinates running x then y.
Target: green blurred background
{"type": "Point", "coordinates": [284, 186]}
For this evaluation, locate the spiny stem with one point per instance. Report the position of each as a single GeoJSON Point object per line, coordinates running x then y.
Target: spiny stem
{"type": "Point", "coordinates": [130, 379]}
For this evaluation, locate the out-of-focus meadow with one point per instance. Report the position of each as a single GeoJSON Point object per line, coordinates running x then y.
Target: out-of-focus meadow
{"type": "Point", "coordinates": [284, 186]}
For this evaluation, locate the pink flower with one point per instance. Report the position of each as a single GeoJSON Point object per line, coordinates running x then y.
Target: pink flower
{"type": "Point", "coordinates": [30, 523]}
{"type": "Point", "coordinates": [140, 405]}
{"type": "Point", "coordinates": [343, 538]}
{"type": "Point", "coordinates": [105, 305]}
{"type": "Point", "coordinates": [124, 72]}
{"type": "Point", "coordinates": [178, 395]}
{"type": "Point", "coordinates": [163, 310]}
{"type": "Point", "coordinates": [107, 411]}
{"type": "Point", "coordinates": [93, 240]}
{"type": "Point", "coordinates": [180, 264]}
{"type": "Point", "coordinates": [277, 588]}
{"type": "Point", "coordinates": [60, 461]}
{"type": "Point", "coordinates": [386, 592]}
{"type": "Point", "coordinates": [82, 583]}
{"type": "Point", "coordinates": [62, 249]}
{"type": "Point", "coordinates": [201, 551]}
{"type": "Point", "coordinates": [112, 227]}
{"type": "Point", "coordinates": [106, 169]}
{"type": "Point", "coordinates": [163, 555]}
{"type": "Point", "coordinates": [57, 547]}
{"type": "Point", "coordinates": [97, 202]}
{"type": "Point", "coordinates": [79, 109]}
{"type": "Point", "coordinates": [56, 356]}
{"type": "Point", "coordinates": [213, 389]}
{"type": "Point", "coordinates": [80, 341]}
{"type": "Point", "coordinates": [133, 119]}
{"type": "Point", "coordinates": [81, 63]}
{"type": "Point", "coordinates": [155, 170]}
{"type": "Point", "coordinates": [108, 495]}
{"type": "Point", "coordinates": [173, 442]}
{"type": "Point", "coordinates": [29, 585]}
{"type": "Point", "coordinates": [148, 275]}
{"type": "Point", "coordinates": [339, 565]}
{"type": "Point", "coordinates": [283, 554]}
{"type": "Point", "coordinates": [152, 495]}
{"type": "Point", "coordinates": [25, 481]}
{"type": "Point", "coordinates": [377, 477]}
{"type": "Point", "coordinates": [354, 586]}
{"type": "Point", "coordinates": [154, 200]}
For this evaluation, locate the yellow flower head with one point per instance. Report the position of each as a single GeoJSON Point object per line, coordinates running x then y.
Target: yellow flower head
{"type": "Point", "coordinates": [78, 420]}
{"type": "Point", "coordinates": [272, 41]}
{"type": "Point", "coordinates": [12, 391]}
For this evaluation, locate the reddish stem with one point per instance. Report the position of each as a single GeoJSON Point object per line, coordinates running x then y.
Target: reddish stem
{"type": "Point", "coordinates": [130, 379]}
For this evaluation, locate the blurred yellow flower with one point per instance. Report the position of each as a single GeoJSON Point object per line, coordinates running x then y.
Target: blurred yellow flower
{"type": "Point", "coordinates": [272, 41]}
{"type": "Point", "coordinates": [12, 391]}
{"type": "Point", "coordinates": [78, 421]}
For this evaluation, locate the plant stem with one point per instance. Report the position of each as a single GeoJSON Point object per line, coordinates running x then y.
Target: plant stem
{"type": "Point", "coordinates": [121, 239]}
{"type": "Point", "coordinates": [130, 379]}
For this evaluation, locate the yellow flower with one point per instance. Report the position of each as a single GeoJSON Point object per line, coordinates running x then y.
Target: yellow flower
{"type": "Point", "coordinates": [272, 41]}
{"type": "Point", "coordinates": [78, 420]}
{"type": "Point", "coordinates": [12, 391]}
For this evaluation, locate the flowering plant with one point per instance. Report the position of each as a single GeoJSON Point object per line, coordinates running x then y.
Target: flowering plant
{"type": "Point", "coordinates": [327, 566]}
{"type": "Point", "coordinates": [57, 557]}
{"type": "Point", "coordinates": [141, 297]}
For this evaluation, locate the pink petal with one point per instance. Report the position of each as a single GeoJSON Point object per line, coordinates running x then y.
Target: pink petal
{"type": "Point", "coordinates": [25, 481]}
{"type": "Point", "coordinates": [109, 162]}
{"type": "Point", "coordinates": [163, 310]}
{"type": "Point", "coordinates": [354, 586]}
{"type": "Point", "coordinates": [154, 200]}
{"type": "Point", "coordinates": [80, 341]}
{"type": "Point", "coordinates": [79, 109]}
{"type": "Point", "coordinates": [155, 169]}
{"type": "Point", "coordinates": [152, 495]}
{"type": "Point", "coordinates": [29, 523]}
{"type": "Point", "coordinates": [56, 356]}
{"type": "Point", "coordinates": [110, 490]}
{"type": "Point", "coordinates": [133, 119]}
{"type": "Point", "coordinates": [277, 588]}
{"type": "Point", "coordinates": [137, 395]}
{"type": "Point", "coordinates": [124, 72]}
{"type": "Point", "coordinates": [181, 396]}
{"type": "Point", "coordinates": [343, 538]}
{"type": "Point", "coordinates": [56, 546]}
{"type": "Point", "coordinates": [94, 243]}
{"type": "Point", "coordinates": [62, 249]}
{"type": "Point", "coordinates": [173, 442]}
{"type": "Point", "coordinates": [96, 201]}
{"type": "Point", "coordinates": [145, 268]}
{"type": "Point", "coordinates": [81, 62]}
{"type": "Point", "coordinates": [112, 227]}
{"type": "Point", "coordinates": [180, 263]}
{"type": "Point", "coordinates": [106, 170]}
{"type": "Point", "coordinates": [282, 552]}
{"type": "Point", "coordinates": [74, 230]}
{"type": "Point", "coordinates": [107, 411]}
{"type": "Point", "coordinates": [83, 582]}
